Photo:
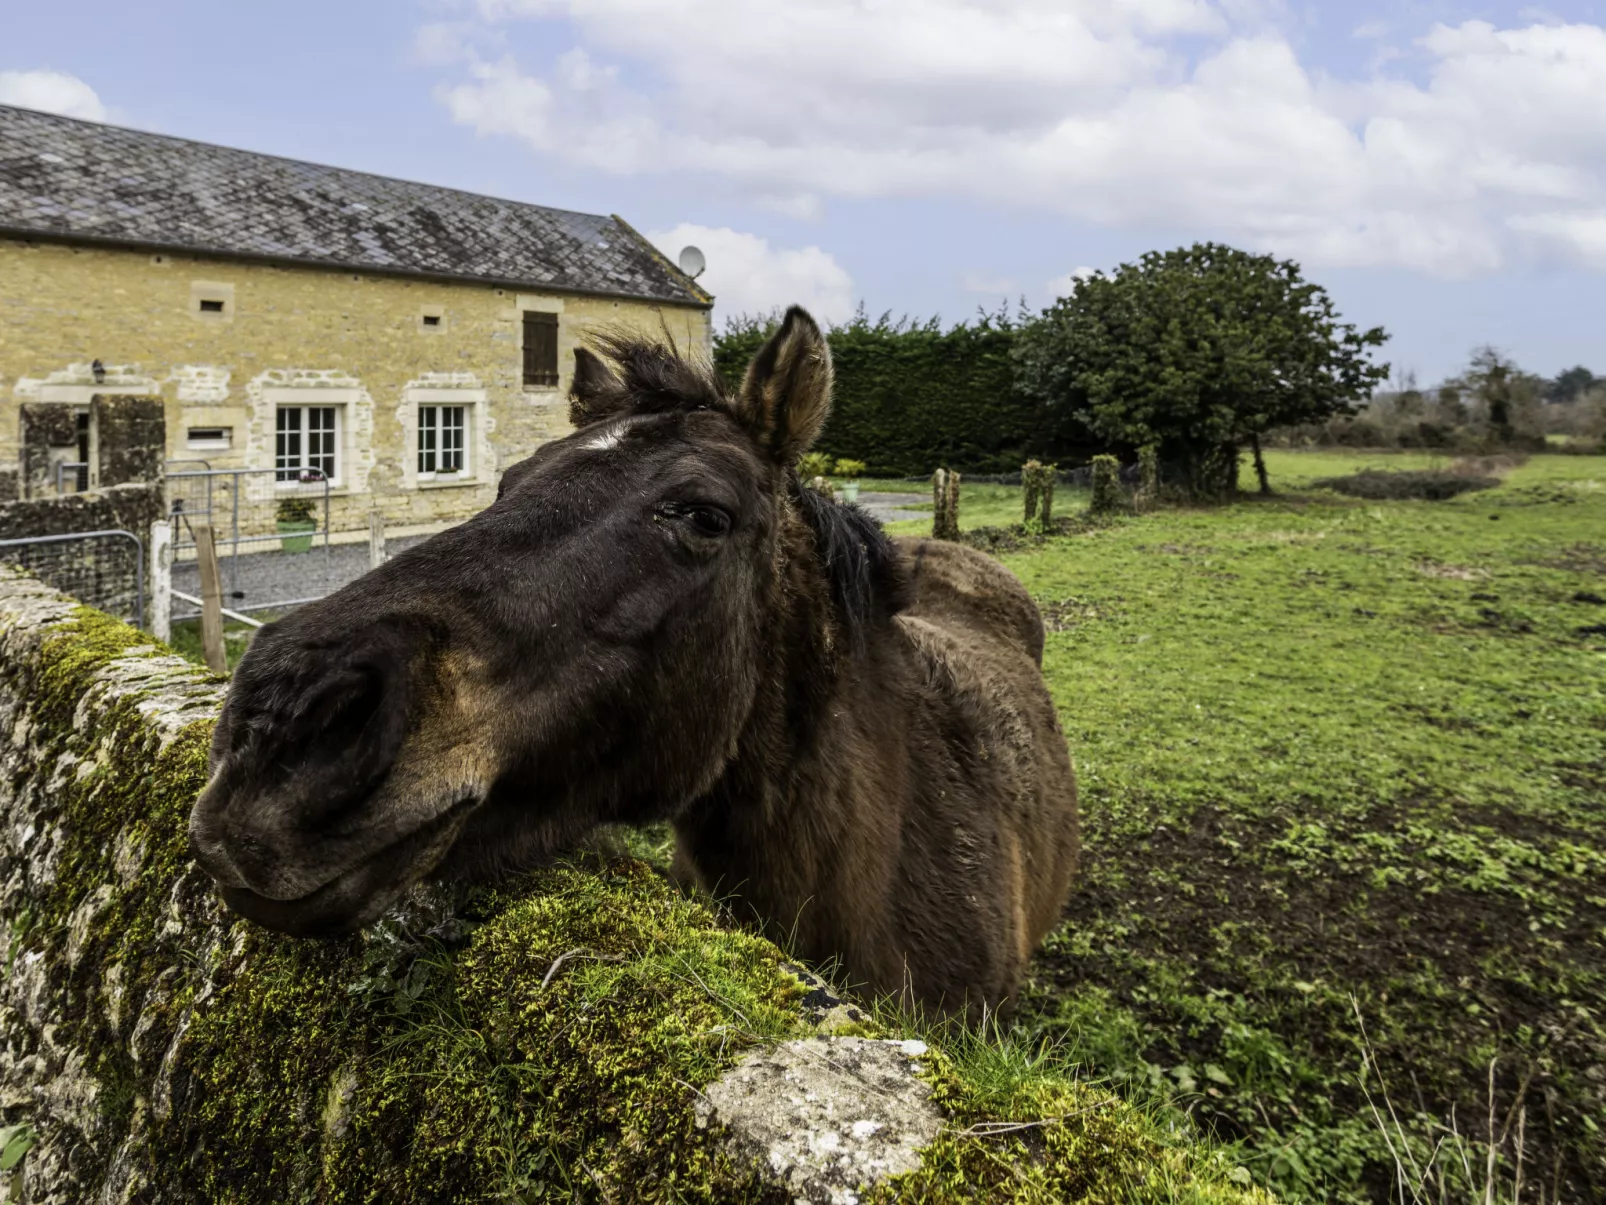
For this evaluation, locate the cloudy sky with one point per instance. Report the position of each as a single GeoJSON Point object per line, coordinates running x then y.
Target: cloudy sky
{"type": "Point", "coordinates": [1441, 167]}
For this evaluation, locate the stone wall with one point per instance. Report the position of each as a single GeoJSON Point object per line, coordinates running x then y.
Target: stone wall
{"type": "Point", "coordinates": [330, 337]}
{"type": "Point", "coordinates": [102, 572]}
{"type": "Point", "coordinates": [583, 1034]}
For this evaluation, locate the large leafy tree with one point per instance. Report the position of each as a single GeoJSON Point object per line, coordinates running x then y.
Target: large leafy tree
{"type": "Point", "coordinates": [1198, 351]}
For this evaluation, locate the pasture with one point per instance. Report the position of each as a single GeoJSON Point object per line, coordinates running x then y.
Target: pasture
{"type": "Point", "coordinates": [1342, 767]}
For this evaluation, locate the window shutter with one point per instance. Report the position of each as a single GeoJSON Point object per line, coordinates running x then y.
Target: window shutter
{"type": "Point", "coordinates": [540, 349]}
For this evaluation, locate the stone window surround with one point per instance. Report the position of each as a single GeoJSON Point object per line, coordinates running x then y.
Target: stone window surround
{"type": "Point", "coordinates": [338, 480]}
{"type": "Point", "coordinates": [456, 390]}
{"type": "Point", "coordinates": [313, 387]}
{"type": "Point", "coordinates": [211, 290]}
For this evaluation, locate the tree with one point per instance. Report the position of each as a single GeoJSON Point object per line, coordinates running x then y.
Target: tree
{"type": "Point", "coordinates": [1571, 385]}
{"type": "Point", "coordinates": [1503, 396]}
{"type": "Point", "coordinates": [1199, 350]}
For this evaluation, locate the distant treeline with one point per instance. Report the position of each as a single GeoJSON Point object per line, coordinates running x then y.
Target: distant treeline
{"type": "Point", "coordinates": [1200, 353]}
{"type": "Point", "coordinates": [911, 396]}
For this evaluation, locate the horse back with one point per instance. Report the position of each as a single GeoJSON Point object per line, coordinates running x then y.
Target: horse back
{"type": "Point", "coordinates": [969, 592]}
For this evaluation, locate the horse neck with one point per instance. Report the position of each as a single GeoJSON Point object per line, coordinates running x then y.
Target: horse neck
{"type": "Point", "coordinates": [782, 782]}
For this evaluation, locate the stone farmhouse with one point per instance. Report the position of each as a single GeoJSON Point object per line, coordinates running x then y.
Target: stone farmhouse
{"type": "Point", "coordinates": [406, 341]}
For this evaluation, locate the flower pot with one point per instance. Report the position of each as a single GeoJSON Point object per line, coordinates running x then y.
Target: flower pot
{"type": "Point", "coordinates": [296, 537]}
{"type": "Point", "coordinates": [850, 491]}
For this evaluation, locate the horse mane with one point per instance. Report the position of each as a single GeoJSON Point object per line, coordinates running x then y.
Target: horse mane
{"type": "Point", "coordinates": [866, 579]}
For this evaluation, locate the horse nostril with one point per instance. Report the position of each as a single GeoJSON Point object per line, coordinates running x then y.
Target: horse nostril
{"type": "Point", "coordinates": [341, 712]}
{"type": "Point", "coordinates": [348, 728]}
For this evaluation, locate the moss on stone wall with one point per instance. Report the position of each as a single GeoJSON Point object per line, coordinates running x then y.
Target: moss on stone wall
{"type": "Point", "coordinates": [543, 1041]}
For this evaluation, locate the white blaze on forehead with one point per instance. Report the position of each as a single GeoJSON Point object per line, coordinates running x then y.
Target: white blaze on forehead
{"type": "Point", "coordinates": [610, 436]}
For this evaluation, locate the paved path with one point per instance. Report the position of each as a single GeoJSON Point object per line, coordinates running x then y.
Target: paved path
{"type": "Point", "coordinates": [894, 508]}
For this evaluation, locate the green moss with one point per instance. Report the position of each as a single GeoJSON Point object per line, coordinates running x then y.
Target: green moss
{"type": "Point", "coordinates": [548, 1041]}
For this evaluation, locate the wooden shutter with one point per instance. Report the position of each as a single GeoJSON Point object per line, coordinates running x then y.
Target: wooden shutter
{"type": "Point", "coordinates": [540, 348]}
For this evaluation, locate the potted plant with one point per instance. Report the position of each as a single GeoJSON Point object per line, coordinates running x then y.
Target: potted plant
{"type": "Point", "coordinates": [852, 470]}
{"type": "Point", "coordinates": [296, 524]}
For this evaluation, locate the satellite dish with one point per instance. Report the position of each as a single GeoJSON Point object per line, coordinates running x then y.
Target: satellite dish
{"type": "Point", "coordinates": [692, 262]}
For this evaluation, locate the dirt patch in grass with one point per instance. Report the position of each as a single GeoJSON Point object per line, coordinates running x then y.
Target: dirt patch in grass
{"type": "Point", "coordinates": [1068, 614]}
{"type": "Point", "coordinates": [1430, 485]}
{"type": "Point", "coordinates": [1198, 949]}
{"type": "Point", "coordinates": [1456, 573]}
{"type": "Point", "coordinates": [1577, 558]}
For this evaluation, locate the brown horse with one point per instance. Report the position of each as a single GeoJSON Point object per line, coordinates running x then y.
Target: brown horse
{"type": "Point", "coordinates": [655, 621]}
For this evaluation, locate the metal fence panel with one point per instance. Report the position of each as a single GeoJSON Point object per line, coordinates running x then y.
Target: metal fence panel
{"type": "Point", "coordinates": [103, 569]}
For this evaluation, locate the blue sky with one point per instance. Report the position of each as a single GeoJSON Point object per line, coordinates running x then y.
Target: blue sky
{"type": "Point", "coordinates": [1441, 167]}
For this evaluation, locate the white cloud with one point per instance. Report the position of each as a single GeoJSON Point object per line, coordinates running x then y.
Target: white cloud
{"type": "Point", "coordinates": [1063, 286]}
{"type": "Point", "coordinates": [1090, 109]}
{"type": "Point", "coordinates": [51, 92]}
{"type": "Point", "coordinates": [1580, 236]}
{"type": "Point", "coordinates": [748, 276]}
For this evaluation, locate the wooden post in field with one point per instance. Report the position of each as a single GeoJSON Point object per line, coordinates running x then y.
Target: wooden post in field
{"type": "Point", "coordinates": [377, 555]}
{"type": "Point", "coordinates": [945, 505]}
{"type": "Point", "coordinates": [211, 600]}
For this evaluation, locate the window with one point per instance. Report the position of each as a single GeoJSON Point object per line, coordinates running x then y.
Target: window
{"type": "Point", "coordinates": [442, 440]}
{"type": "Point", "coordinates": [209, 439]}
{"type": "Point", "coordinates": [211, 305]}
{"type": "Point", "coordinates": [307, 441]}
{"type": "Point", "coordinates": [432, 319]}
{"type": "Point", "coordinates": [540, 349]}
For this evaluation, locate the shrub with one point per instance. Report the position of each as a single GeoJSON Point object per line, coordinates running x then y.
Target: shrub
{"type": "Point", "coordinates": [1433, 485]}
{"type": "Point", "coordinates": [1106, 485]}
{"type": "Point", "coordinates": [295, 510]}
{"type": "Point", "coordinates": [849, 468]}
{"type": "Point", "coordinates": [813, 464]}
{"type": "Point", "coordinates": [910, 396]}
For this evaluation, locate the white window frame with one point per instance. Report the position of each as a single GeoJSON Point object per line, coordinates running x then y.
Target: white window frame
{"type": "Point", "coordinates": [435, 431]}
{"type": "Point", "coordinates": [326, 412]}
{"type": "Point", "coordinates": [479, 457]}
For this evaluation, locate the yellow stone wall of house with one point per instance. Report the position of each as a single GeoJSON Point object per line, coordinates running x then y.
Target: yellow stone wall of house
{"type": "Point", "coordinates": [294, 333]}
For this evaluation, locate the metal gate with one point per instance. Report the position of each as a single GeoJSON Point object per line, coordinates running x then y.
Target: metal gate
{"type": "Point", "coordinates": [252, 512]}
{"type": "Point", "coordinates": [92, 566]}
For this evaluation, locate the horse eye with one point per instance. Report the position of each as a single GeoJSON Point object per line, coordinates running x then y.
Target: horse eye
{"type": "Point", "coordinates": [709, 521]}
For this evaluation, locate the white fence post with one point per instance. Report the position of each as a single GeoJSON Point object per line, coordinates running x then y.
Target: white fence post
{"type": "Point", "coordinates": [161, 602]}
{"type": "Point", "coordinates": [377, 555]}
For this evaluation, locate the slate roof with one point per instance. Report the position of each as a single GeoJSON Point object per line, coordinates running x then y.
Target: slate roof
{"type": "Point", "coordinates": [80, 181]}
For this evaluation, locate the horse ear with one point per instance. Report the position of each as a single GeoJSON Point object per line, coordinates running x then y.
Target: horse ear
{"type": "Point", "coordinates": [594, 392]}
{"type": "Point", "coordinates": [786, 394]}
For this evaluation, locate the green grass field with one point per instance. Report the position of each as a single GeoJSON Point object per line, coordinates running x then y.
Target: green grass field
{"type": "Point", "coordinates": [1342, 764]}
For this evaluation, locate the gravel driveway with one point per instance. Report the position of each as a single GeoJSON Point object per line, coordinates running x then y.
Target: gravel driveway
{"type": "Point", "coordinates": [258, 578]}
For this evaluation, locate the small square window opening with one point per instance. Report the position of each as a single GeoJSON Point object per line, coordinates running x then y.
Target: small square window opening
{"type": "Point", "coordinates": [211, 305]}
{"type": "Point", "coordinates": [209, 439]}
